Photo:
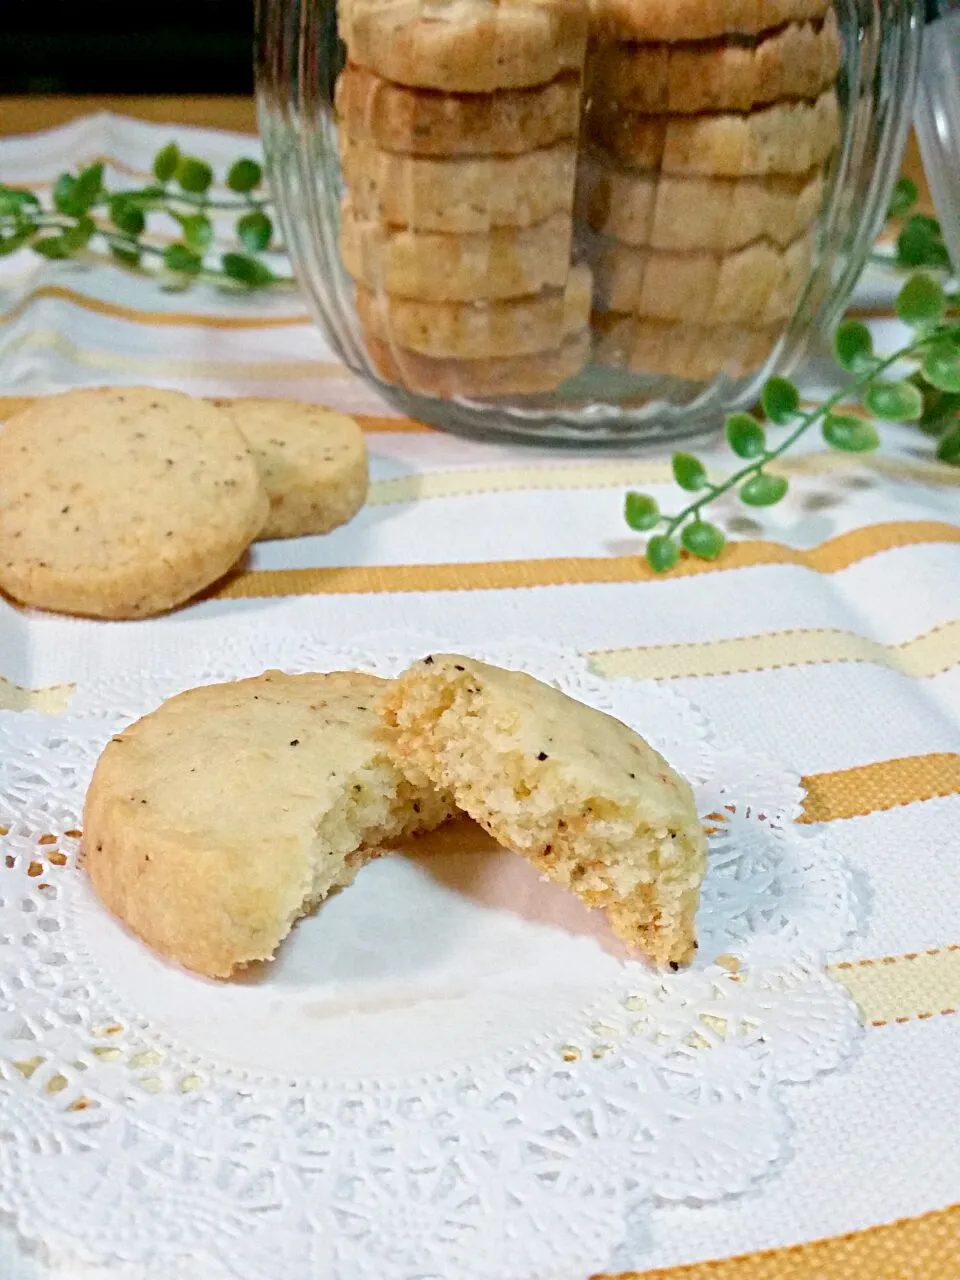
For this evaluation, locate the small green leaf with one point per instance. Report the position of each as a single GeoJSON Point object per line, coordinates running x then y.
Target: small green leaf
{"type": "Point", "coordinates": [180, 258]}
{"type": "Point", "coordinates": [254, 231]}
{"type": "Point", "coordinates": [63, 194]}
{"type": "Point", "coordinates": [197, 229]}
{"type": "Point", "coordinates": [246, 270]}
{"type": "Point", "coordinates": [51, 247]}
{"type": "Point", "coordinates": [165, 162]}
{"type": "Point", "coordinates": [193, 175]}
{"type": "Point", "coordinates": [764, 490]}
{"type": "Point", "coordinates": [745, 435]}
{"type": "Point", "coordinates": [703, 539]}
{"type": "Point", "coordinates": [662, 554]}
{"type": "Point", "coordinates": [894, 401]}
{"type": "Point", "coordinates": [129, 257]}
{"type": "Point", "coordinates": [920, 244]}
{"type": "Point", "coordinates": [244, 176]}
{"type": "Point", "coordinates": [905, 196]}
{"type": "Point", "coordinates": [16, 200]}
{"type": "Point", "coordinates": [948, 449]}
{"type": "Point", "coordinates": [689, 472]}
{"type": "Point", "coordinates": [939, 408]}
{"type": "Point", "coordinates": [921, 301]}
{"type": "Point", "coordinates": [641, 512]}
{"type": "Point", "coordinates": [10, 244]}
{"type": "Point", "coordinates": [88, 189]}
{"type": "Point", "coordinates": [781, 401]}
{"type": "Point", "coordinates": [78, 236]}
{"type": "Point", "coordinates": [853, 347]}
{"type": "Point", "coordinates": [850, 434]}
{"type": "Point", "coordinates": [126, 215]}
{"type": "Point", "coordinates": [941, 366]}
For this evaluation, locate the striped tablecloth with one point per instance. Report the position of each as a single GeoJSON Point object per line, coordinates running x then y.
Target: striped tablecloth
{"type": "Point", "coordinates": [828, 637]}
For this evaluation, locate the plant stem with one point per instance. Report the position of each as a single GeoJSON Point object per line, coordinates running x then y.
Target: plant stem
{"type": "Point", "coordinates": [808, 420]}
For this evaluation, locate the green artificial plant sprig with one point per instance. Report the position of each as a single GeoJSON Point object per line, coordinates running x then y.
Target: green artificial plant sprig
{"type": "Point", "coordinates": [83, 212]}
{"type": "Point", "coordinates": [929, 396]}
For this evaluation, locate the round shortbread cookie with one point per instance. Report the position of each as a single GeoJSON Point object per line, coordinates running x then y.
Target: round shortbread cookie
{"type": "Point", "coordinates": [507, 262]}
{"type": "Point", "coordinates": [312, 463]}
{"type": "Point", "coordinates": [692, 352]}
{"type": "Point", "coordinates": [466, 46]}
{"type": "Point", "coordinates": [480, 379]}
{"type": "Point", "coordinates": [123, 502]}
{"type": "Point", "coordinates": [680, 214]}
{"type": "Point", "coordinates": [578, 793]}
{"type": "Point", "coordinates": [758, 285]}
{"type": "Point", "coordinates": [458, 195]}
{"type": "Point", "coordinates": [212, 825]}
{"type": "Point", "coordinates": [788, 138]}
{"type": "Point", "coordinates": [673, 20]}
{"type": "Point", "coordinates": [480, 330]}
{"type": "Point", "coordinates": [423, 122]}
{"type": "Point", "coordinates": [798, 61]}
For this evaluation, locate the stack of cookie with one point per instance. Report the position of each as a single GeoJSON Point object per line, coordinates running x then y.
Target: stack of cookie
{"type": "Point", "coordinates": [458, 122]}
{"type": "Point", "coordinates": [707, 130]}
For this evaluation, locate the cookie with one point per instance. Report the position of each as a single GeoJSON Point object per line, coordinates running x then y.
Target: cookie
{"type": "Point", "coordinates": [312, 463]}
{"type": "Point", "coordinates": [673, 20]}
{"type": "Point", "coordinates": [757, 285]}
{"type": "Point", "coordinates": [480, 330]}
{"type": "Point", "coordinates": [458, 195]}
{"type": "Point", "coordinates": [426, 123]}
{"type": "Point", "coordinates": [466, 46]}
{"type": "Point", "coordinates": [212, 825]}
{"type": "Point", "coordinates": [123, 502]}
{"type": "Point", "coordinates": [480, 379]}
{"type": "Point", "coordinates": [797, 61]}
{"type": "Point", "coordinates": [576, 792]}
{"type": "Point", "coordinates": [788, 138]}
{"type": "Point", "coordinates": [507, 262]}
{"type": "Point", "coordinates": [692, 352]}
{"type": "Point", "coordinates": [677, 214]}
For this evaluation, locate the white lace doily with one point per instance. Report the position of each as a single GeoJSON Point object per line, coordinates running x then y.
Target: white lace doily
{"type": "Point", "coordinates": [450, 1070]}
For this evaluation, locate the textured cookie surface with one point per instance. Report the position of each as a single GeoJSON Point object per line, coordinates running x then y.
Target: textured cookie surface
{"type": "Point", "coordinates": [463, 194]}
{"type": "Point", "coordinates": [678, 214]}
{"type": "Point", "coordinates": [466, 46]}
{"type": "Point", "coordinates": [787, 138]}
{"type": "Point", "coordinates": [312, 463]}
{"type": "Point", "coordinates": [213, 824]}
{"type": "Point", "coordinates": [757, 285]}
{"type": "Point", "coordinates": [798, 61]}
{"type": "Point", "coordinates": [575, 791]}
{"type": "Point", "coordinates": [480, 330]}
{"type": "Point", "coordinates": [423, 122]}
{"type": "Point", "coordinates": [681, 350]}
{"type": "Point", "coordinates": [699, 19]}
{"type": "Point", "coordinates": [121, 503]}
{"type": "Point", "coordinates": [479, 379]}
{"type": "Point", "coordinates": [507, 262]}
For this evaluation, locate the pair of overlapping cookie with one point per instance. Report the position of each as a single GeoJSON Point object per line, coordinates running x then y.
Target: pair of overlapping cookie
{"type": "Point", "coordinates": [707, 129]}
{"type": "Point", "coordinates": [458, 127]}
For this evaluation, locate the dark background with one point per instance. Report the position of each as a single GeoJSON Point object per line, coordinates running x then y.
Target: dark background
{"type": "Point", "coordinates": [142, 46]}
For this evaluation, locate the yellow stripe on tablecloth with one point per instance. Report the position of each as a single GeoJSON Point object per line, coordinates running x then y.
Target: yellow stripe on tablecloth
{"type": "Point", "coordinates": [925, 655]}
{"type": "Point", "coordinates": [875, 788]}
{"type": "Point", "coordinates": [139, 315]}
{"type": "Point", "coordinates": [922, 1248]}
{"type": "Point", "coordinates": [897, 989]}
{"type": "Point", "coordinates": [829, 557]}
{"type": "Point", "coordinates": [51, 701]}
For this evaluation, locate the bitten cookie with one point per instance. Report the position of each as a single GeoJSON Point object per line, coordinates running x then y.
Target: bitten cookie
{"type": "Point", "coordinates": [460, 195]}
{"type": "Point", "coordinates": [680, 350]}
{"type": "Point", "coordinates": [423, 122]}
{"type": "Point", "coordinates": [789, 137]}
{"type": "Point", "coordinates": [121, 503]}
{"type": "Point", "coordinates": [579, 794]}
{"type": "Point", "coordinates": [212, 825]}
{"type": "Point", "coordinates": [312, 463]}
{"type": "Point", "coordinates": [677, 214]}
{"type": "Point", "coordinates": [756, 285]}
{"type": "Point", "coordinates": [699, 19]}
{"type": "Point", "coordinates": [507, 262]}
{"type": "Point", "coordinates": [480, 379]}
{"type": "Point", "coordinates": [480, 330]}
{"type": "Point", "coordinates": [466, 46]}
{"type": "Point", "coordinates": [797, 61]}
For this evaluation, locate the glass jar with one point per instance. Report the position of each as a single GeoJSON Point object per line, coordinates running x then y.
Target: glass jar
{"type": "Point", "coordinates": [584, 221]}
